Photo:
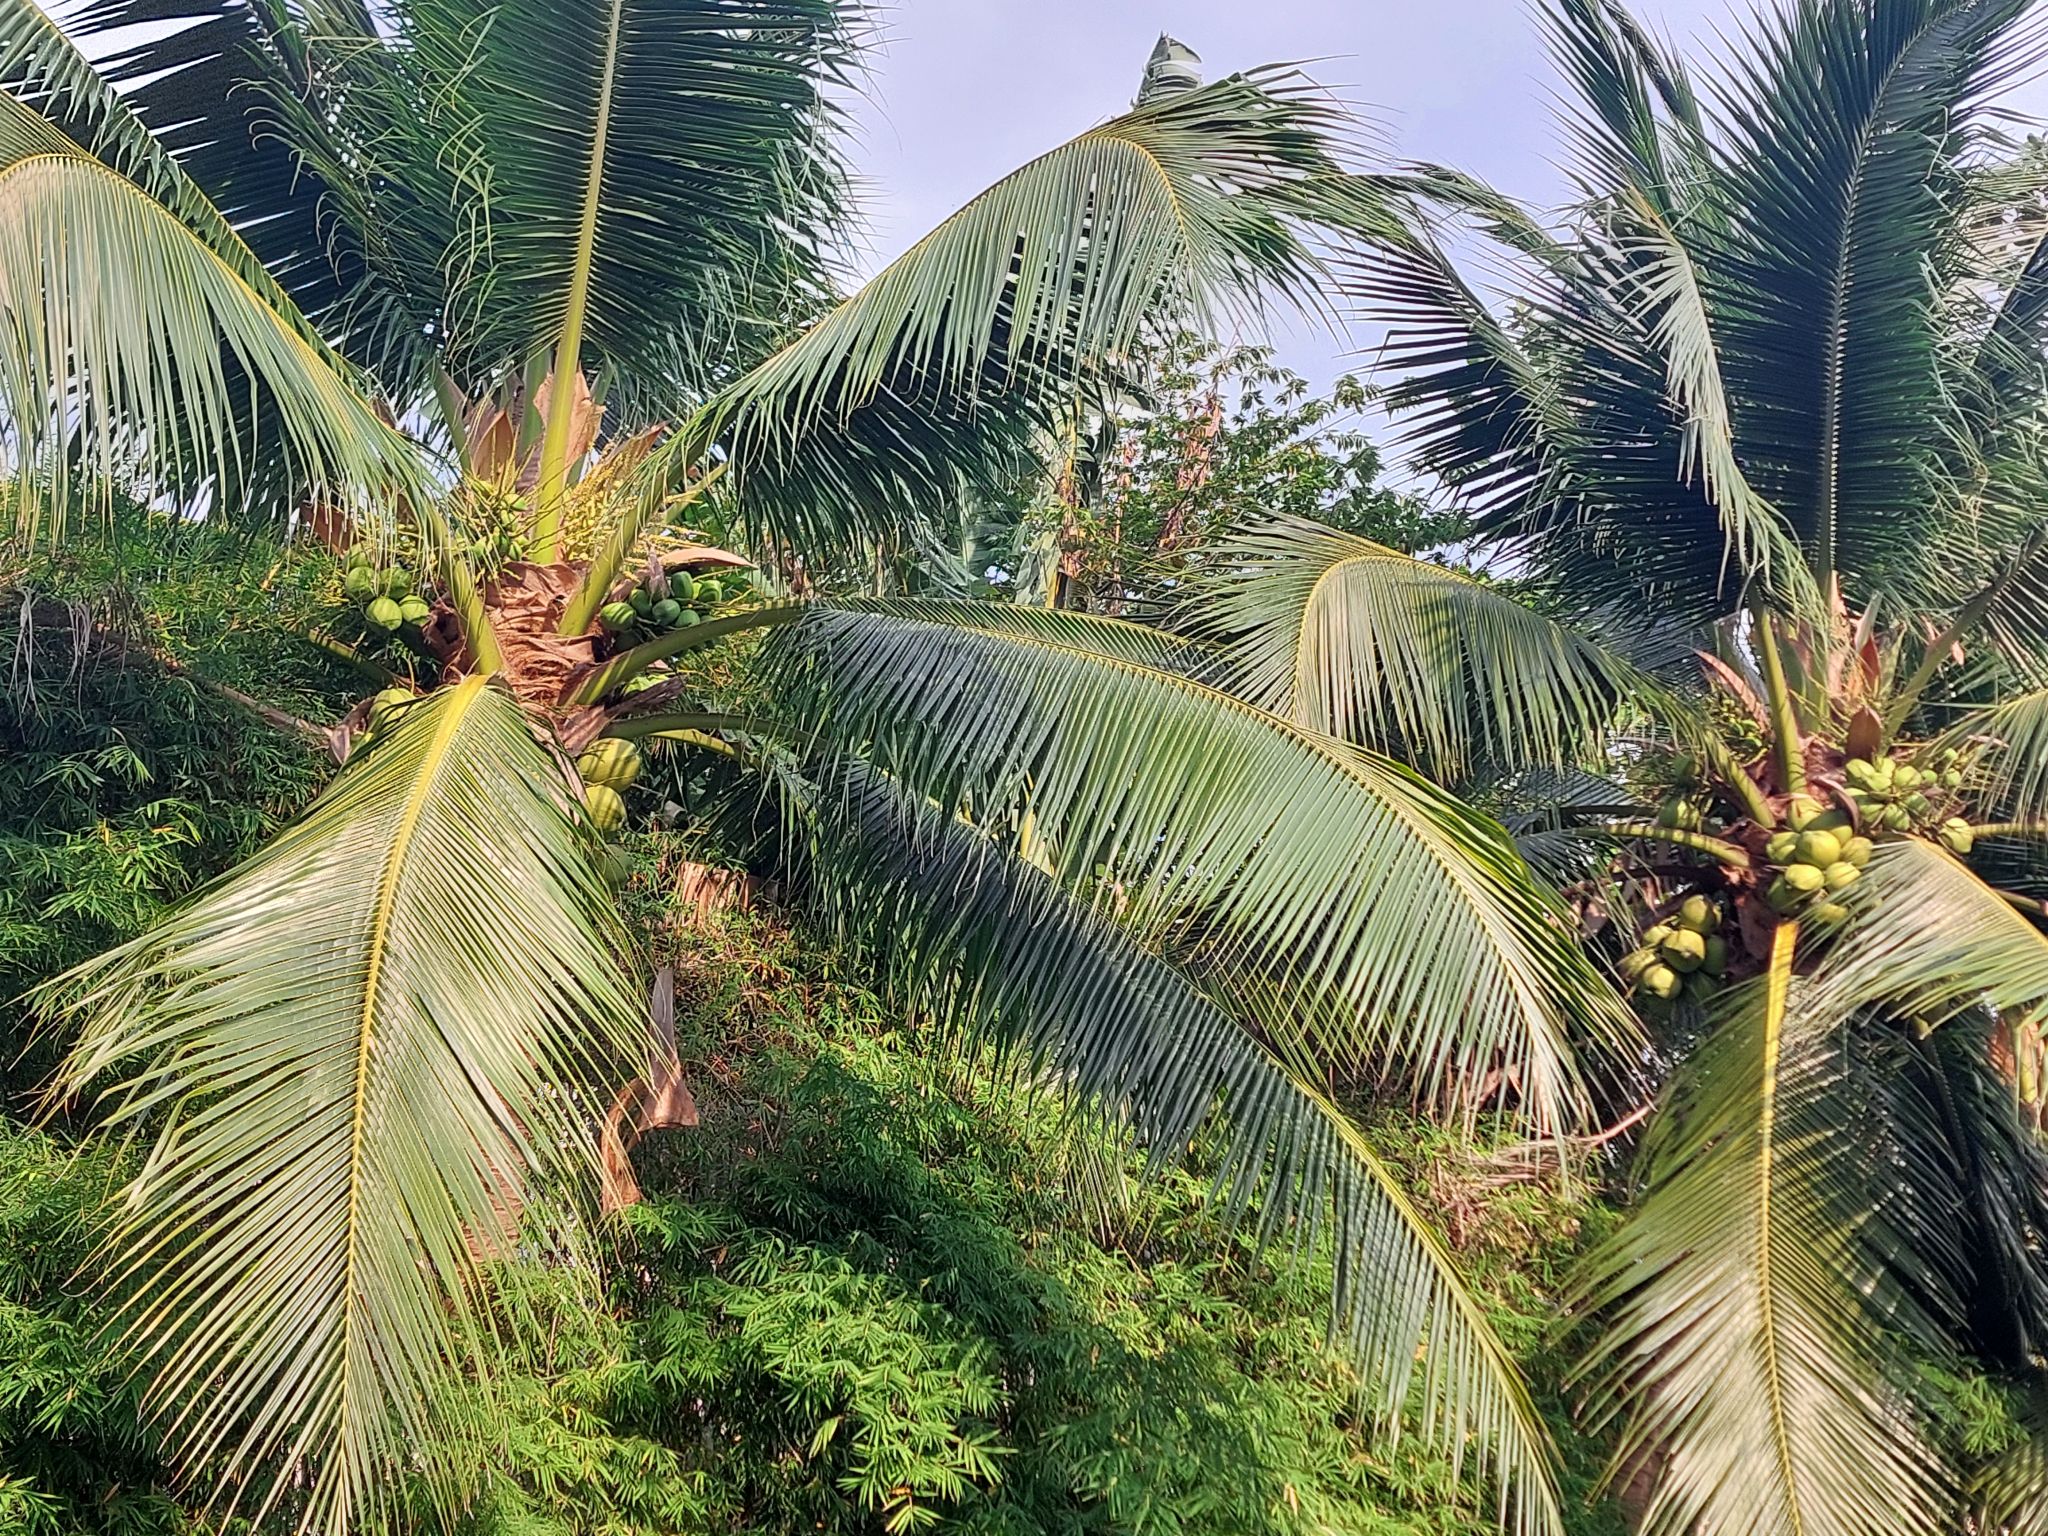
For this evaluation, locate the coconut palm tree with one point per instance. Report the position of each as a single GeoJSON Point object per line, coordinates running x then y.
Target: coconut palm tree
{"type": "Point", "coordinates": [429, 278]}
{"type": "Point", "coordinates": [1770, 392]}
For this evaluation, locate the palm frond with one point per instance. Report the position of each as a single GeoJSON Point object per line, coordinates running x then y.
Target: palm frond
{"type": "Point", "coordinates": [208, 83]}
{"type": "Point", "coordinates": [2015, 770]}
{"type": "Point", "coordinates": [1973, 1208]}
{"type": "Point", "coordinates": [1406, 926]}
{"type": "Point", "coordinates": [658, 177]}
{"type": "Point", "coordinates": [2011, 1494]}
{"type": "Point", "coordinates": [1927, 938]}
{"type": "Point", "coordinates": [1844, 123]}
{"type": "Point", "coordinates": [142, 355]}
{"type": "Point", "coordinates": [970, 931]}
{"type": "Point", "coordinates": [350, 1055]}
{"type": "Point", "coordinates": [1203, 201]}
{"type": "Point", "coordinates": [1745, 1319]}
{"type": "Point", "coordinates": [1361, 642]}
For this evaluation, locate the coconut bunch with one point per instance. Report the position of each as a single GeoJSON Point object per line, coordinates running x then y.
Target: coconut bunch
{"type": "Point", "coordinates": [662, 600]}
{"type": "Point", "coordinates": [1682, 955]}
{"type": "Point", "coordinates": [388, 599]}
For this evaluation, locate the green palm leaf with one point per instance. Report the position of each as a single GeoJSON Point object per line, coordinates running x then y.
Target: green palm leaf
{"type": "Point", "coordinates": [212, 85]}
{"type": "Point", "coordinates": [1844, 121]}
{"type": "Point", "coordinates": [1745, 1317]}
{"type": "Point", "coordinates": [2015, 771]}
{"type": "Point", "coordinates": [1361, 642]}
{"type": "Point", "coordinates": [1200, 200]}
{"type": "Point", "coordinates": [351, 1055]}
{"type": "Point", "coordinates": [2012, 1492]}
{"type": "Point", "coordinates": [1402, 927]}
{"type": "Point", "coordinates": [661, 183]}
{"type": "Point", "coordinates": [985, 941]}
{"type": "Point", "coordinates": [1927, 937]}
{"type": "Point", "coordinates": [138, 347]}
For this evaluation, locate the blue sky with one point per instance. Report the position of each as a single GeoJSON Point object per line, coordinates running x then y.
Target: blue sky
{"type": "Point", "coordinates": [966, 89]}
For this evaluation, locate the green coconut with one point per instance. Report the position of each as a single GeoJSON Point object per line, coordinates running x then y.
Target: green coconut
{"type": "Point", "coordinates": [617, 618]}
{"type": "Point", "coordinates": [1657, 934]}
{"type": "Point", "coordinates": [640, 602]}
{"type": "Point", "coordinates": [1637, 961]}
{"type": "Point", "coordinates": [614, 865]}
{"type": "Point", "coordinates": [1829, 914]}
{"type": "Point", "coordinates": [1905, 777]}
{"type": "Point", "coordinates": [682, 586]}
{"type": "Point", "coordinates": [415, 609]}
{"type": "Point", "coordinates": [398, 581]}
{"type": "Point", "coordinates": [607, 810]}
{"type": "Point", "coordinates": [709, 592]}
{"type": "Point", "coordinates": [1842, 875]}
{"type": "Point", "coordinates": [1819, 848]}
{"type": "Point", "coordinates": [1896, 818]}
{"type": "Point", "coordinates": [384, 613]}
{"type": "Point", "coordinates": [1860, 773]}
{"type": "Point", "coordinates": [1956, 836]}
{"type": "Point", "coordinates": [1805, 878]}
{"type": "Point", "coordinates": [1684, 950]}
{"type": "Point", "coordinates": [667, 612]}
{"type": "Point", "coordinates": [1801, 810]}
{"type": "Point", "coordinates": [1783, 898]}
{"type": "Point", "coordinates": [1856, 851]}
{"type": "Point", "coordinates": [1699, 986]}
{"type": "Point", "coordinates": [388, 705]}
{"type": "Point", "coordinates": [1716, 960]}
{"type": "Point", "coordinates": [1699, 914]}
{"type": "Point", "coordinates": [612, 762]}
{"type": "Point", "coordinates": [1783, 847]}
{"type": "Point", "coordinates": [360, 584]}
{"type": "Point", "coordinates": [1660, 981]}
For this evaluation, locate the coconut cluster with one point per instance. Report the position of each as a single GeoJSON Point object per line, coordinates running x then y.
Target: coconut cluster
{"type": "Point", "coordinates": [389, 599]}
{"type": "Point", "coordinates": [1681, 955]}
{"type": "Point", "coordinates": [1900, 796]}
{"type": "Point", "coordinates": [1817, 858]}
{"type": "Point", "coordinates": [661, 601]}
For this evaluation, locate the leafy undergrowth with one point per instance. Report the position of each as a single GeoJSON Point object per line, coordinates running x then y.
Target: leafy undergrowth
{"type": "Point", "coordinates": [888, 1285]}
{"type": "Point", "coordinates": [124, 781]}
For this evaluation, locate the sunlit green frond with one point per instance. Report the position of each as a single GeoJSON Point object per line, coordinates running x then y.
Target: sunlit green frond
{"type": "Point", "coordinates": [969, 930]}
{"type": "Point", "coordinates": [350, 1055]}
{"type": "Point", "coordinates": [1362, 642]}
{"type": "Point", "coordinates": [1746, 1325]}
{"type": "Point", "coordinates": [131, 338]}
{"type": "Point", "coordinates": [1203, 200]}
{"type": "Point", "coordinates": [2011, 1494]}
{"type": "Point", "coordinates": [2015, 769]}
{"type": "Point", "coordinates": [1407, 929]}
{"type": "Point", "coordinates": [1927, 937]}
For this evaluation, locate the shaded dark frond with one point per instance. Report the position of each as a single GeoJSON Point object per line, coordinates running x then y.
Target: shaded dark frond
{"type": "Point", "coordinates": [1973, 1212]}
{"type": "Point", "coordinates": [667, 181]}
{"type": "Point", "coordinates": [208, 79]}
{"type": "Point", "coordinates": [1844, 122]}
